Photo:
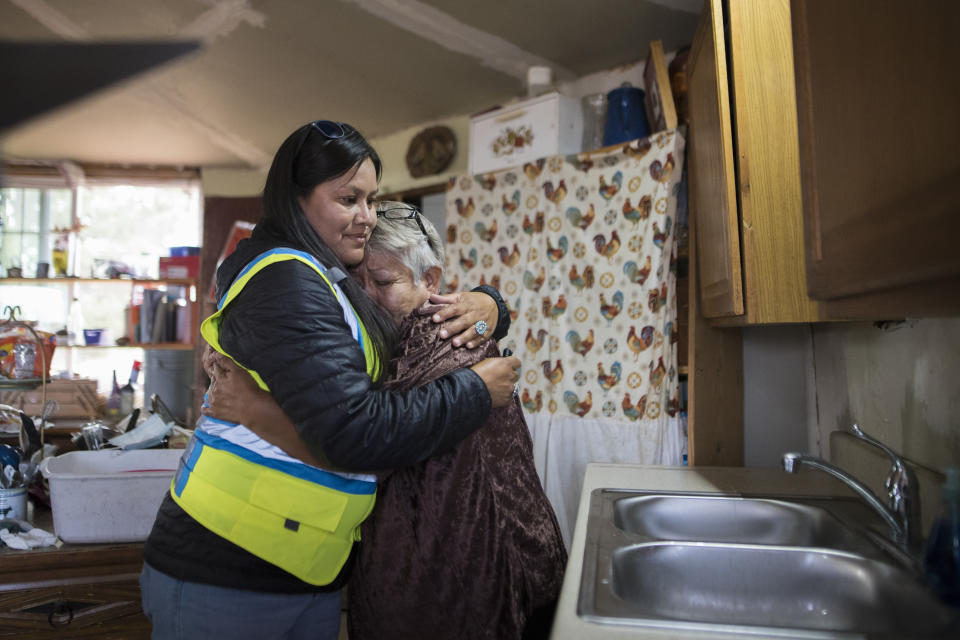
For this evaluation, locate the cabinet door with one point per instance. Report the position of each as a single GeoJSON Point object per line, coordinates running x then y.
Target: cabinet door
{"type": "Point", "coordinates": [745, 173]}
{"type": "Point", "coordinates": [712, 179]}
{"type": "Point", "coordinates": [760, 52]}
{"type": "Point", "coordinates": [878, 106]}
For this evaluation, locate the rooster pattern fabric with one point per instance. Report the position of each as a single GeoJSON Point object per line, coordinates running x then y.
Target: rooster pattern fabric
{"type": "Point", "coordinates": [582, 248]}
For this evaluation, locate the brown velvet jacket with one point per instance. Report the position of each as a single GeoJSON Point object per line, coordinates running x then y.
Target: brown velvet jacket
{"type": "Point", "coordinates": [464, 545]}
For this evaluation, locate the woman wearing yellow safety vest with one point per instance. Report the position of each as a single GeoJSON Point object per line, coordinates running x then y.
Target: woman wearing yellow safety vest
{"type": "Point", "coordinates": [250, 542]}
{"type": "Point", "coordinates": [465, 545]}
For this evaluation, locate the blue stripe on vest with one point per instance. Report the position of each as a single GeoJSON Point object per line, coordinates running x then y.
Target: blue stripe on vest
{"type": "Point", "coordinates": [302, 471]}
{"type": "Point", "coordinates": [187, 462]}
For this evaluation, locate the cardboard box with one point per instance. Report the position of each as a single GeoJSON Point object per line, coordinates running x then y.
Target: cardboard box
{"type": "Point", "coordinates": [180, 267]}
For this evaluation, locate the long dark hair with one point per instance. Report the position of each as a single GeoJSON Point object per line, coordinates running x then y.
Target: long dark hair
{"type": "Point", "coordinates": [305, 159]}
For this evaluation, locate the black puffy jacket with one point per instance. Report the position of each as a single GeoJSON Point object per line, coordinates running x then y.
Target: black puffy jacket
{"type": "Point", "coordinates": [287, 326]}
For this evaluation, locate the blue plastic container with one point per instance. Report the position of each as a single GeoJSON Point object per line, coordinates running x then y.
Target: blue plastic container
{"type": "Point", "coordinates": [92, 336]}
{"type": "Point", "coordinates": [942, 557]}
{"type": "Point", "coordinates": [626, 116]}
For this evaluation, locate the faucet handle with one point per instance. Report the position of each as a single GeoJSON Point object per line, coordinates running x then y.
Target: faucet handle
{"type": "Point", "coordinates": [860, 433]}
{"type": "Point", "coordinates": [902, 488]}
{"type": "Point", "coordinates": [900, 474]}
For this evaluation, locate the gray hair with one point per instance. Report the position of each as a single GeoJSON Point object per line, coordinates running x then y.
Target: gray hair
{"type": "Point", "coordinates": [403, 239]}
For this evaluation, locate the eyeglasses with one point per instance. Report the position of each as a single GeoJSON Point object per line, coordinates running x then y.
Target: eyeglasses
{"type": "Point", "coordinates": [406, 213]}
{"type": "Point", "coordinates": [331, 131]}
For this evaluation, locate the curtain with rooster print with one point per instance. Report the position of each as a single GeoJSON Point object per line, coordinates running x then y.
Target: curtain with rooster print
{"type": "Point", "coordinates": [582, 248]}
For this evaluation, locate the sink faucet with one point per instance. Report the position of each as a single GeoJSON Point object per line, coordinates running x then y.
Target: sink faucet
{"type": "Point", "coordinates": [902, 509]}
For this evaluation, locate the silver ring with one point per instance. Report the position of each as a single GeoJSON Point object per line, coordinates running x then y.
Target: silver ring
{"type": "Point", "coordinates": [481, 327]}
{"type": "Point", "coordinates": [516, 390]}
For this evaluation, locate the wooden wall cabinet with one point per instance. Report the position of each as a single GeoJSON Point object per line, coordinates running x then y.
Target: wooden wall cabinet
{"type": "Point", "coordinates": [744, 165]}
{"type": "Point", "coordinates": [879, 133]}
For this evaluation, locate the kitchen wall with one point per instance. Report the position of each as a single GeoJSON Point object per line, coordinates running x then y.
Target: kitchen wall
{"type": "Point", "coordinates": [393, 147]}
{"type": "Point", "coordinates": [776, 383]}
{"type": "Point", "coordinates": [231, 183]}
{"type": "Point", "coordinates": [899, 381]}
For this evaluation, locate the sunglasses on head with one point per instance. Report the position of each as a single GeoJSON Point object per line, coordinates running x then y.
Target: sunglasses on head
{"type": "Point", "coordinates": [329, 128]}
{"type": "Point", "coordinates": [331, 131]}
{"type": "Point", "coordinates": [406, 213]}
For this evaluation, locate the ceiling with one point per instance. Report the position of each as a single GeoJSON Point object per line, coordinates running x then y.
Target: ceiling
{"type": "Point", "coordinates": [266, 66]}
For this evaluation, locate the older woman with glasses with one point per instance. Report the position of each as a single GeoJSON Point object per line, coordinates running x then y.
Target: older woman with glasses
{"type": "Point", "coordinates": [252, 542]}
{"type": "Point", "coordinates": [465, 544]}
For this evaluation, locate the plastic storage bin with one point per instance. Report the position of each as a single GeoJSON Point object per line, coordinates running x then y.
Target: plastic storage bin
{"type": "Point", "coordinates": [93, 336]}
{"type": "Point", "coordinates": [110, 495]}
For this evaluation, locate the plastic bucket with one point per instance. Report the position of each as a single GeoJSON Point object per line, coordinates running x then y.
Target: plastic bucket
{"type": "Point", "coordinates": [13, 503]}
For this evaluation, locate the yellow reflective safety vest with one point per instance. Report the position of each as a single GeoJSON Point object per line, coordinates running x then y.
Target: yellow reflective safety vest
{"type": "Point", "coordinates": [298, 517]}
{"type": "Point", "coordinates": [210, 328]}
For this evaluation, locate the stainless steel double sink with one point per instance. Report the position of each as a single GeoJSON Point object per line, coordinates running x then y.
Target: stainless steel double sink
{"type": "Point", "coordinates": [798, 567]}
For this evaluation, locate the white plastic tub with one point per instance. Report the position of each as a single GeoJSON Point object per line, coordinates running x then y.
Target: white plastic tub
{"type": "Point", "coordinates": [108, 496]}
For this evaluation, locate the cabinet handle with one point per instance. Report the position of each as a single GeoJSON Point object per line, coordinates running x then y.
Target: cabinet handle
{"type": "Point", "coordinates": [513, 115]}
{"type": "Point", "coordinates": [60, 610]}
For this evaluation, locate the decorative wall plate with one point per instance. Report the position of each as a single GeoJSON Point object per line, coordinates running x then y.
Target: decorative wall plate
{"type": "Point", "coordinates": [431, 151]}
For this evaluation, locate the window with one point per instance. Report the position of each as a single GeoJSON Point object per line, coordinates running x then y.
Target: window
{"type": "Point", "coordinates": [100, 228]}
{"type": "Point", "coordinates": [27, 218]}
{"type": "Point", "coordinates": [134, 225]}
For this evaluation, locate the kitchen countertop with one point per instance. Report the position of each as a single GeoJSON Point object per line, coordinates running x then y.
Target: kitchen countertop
{"type": "Point", "coordinates": [72, 590]}
{"type": "Point", "coordinates": [568, 626]}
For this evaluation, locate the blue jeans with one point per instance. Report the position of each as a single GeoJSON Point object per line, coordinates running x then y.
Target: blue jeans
{"type": "Point", "coordinates": [180, 610]}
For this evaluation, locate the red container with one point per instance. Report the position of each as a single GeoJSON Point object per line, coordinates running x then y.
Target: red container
{"type": "Point", "coordinates": [179, 267]}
